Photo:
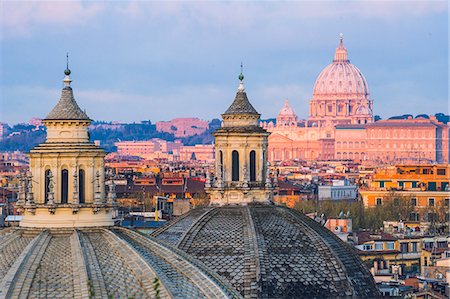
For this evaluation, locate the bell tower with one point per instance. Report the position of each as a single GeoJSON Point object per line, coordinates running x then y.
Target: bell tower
{"type": "Point", "coordinates": [65, 186]}
{"type": "Point", "coordinates": [241, 169]}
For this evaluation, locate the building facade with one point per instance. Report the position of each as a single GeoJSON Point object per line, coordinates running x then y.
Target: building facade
{"type": "Point", "coordinates": [421, 190]}
{"type": "Point", "coordinates": [183, 127]}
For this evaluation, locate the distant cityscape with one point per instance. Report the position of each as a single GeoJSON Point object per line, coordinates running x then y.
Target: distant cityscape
{"type": "Point", "coordinates": [274, 208]}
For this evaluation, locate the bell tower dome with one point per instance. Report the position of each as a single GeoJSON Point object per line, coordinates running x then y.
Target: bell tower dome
{"type": "Point", "coordinates": [241, 169]}
{"type": "Point", "coordinates": [65, 186]}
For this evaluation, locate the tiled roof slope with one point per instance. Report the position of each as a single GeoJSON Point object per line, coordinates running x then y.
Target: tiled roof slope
{"type": "Point", "coordinates": [241, 105]}
{"type": "Point", "coordinates": [67, 107]}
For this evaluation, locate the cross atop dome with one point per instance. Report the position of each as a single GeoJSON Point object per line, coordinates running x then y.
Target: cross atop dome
{"type": "Point", "coordinates": [341, 53]}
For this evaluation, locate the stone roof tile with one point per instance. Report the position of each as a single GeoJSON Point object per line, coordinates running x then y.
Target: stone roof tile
{"type": "Point", "coordinates": [67, 107]}
{"type": "Point", "coordinates": [241, 105]}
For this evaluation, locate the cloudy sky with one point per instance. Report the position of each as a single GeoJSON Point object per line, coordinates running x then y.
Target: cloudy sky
{"type": "Point", "coordinates": [145, 60]}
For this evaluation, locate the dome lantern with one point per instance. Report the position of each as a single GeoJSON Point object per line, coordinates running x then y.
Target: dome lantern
{"type": "Point", "coordinates": [341, 53]}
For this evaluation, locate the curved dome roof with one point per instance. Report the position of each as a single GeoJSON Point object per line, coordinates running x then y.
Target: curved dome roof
{"type": "Point", "coordinates": [100, 263]}
{"type": "Point", "coordinates": [341, 77]}
{"type": "Point", "coordinates": [271, 252]}
{"type": "Point", "coordinates": [286, 110]}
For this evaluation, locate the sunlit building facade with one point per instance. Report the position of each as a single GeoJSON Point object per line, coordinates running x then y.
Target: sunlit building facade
{"type": "Point", "coordinates": [341, 125]}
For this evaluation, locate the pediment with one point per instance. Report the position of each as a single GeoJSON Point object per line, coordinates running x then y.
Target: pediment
{"type": "Point", "coordinates": [275, 137]}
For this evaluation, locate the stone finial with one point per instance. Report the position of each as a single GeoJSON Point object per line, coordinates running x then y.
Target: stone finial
{"type": "Point", "coordinates": [22, 190]}
{"type": "Point", "coordinates": [67, 72]}
{"type": "Point", "coordinates": [208, 179]}
{"type": "Point", "coordinates": [219, 176]}
{"type": "Point", "coordinates": [111, 198]}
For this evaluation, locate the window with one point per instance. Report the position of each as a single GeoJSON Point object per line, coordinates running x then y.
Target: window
{"type": "Point", "coordinates": [235, 166]}
{"type": "Point", "coordinates": [390, 245]}
{"type": "Point", "coordinates": [252, 166]}
{"type": "Point", "coordinates": [330, 108]}
{"type": "Point", "coordinates": [382, 184]}
{"type": "Point", "coordinates": [379, 200]}
{"type": "Point", "coordinates": [403, 247]}
{"type": "Point", "coordinates": [401, 184]}
{"type": "Point", "coordinates": [81, 186]}
{"type": "Point", "coordinates": [414, 247]}
{"type": "Point", "coordinates": [414, 184]}
{"type": "Point", "coordinates": [431, 186]}
{"type": "Point", "coordinates": [447, 202]}
{"type": "Point", "coordinates": [431, 202]}
{"type": "Point", "coordinates": [441, 171]}
{"type": "Point", "coordinates": [378, 246]}
{"type": "Point", "coordinates": [367, 247]}
{"type": "Point", "coordinates": [413, 216]}
{"type": "Point", "coordinates": [414, 202]}
{"type": "Point", "coordinates": [47, 183]}
{"type": "Point", "coordinates": [431, 217]}
{"type": "Point", "coordinates": [427, 171]}
{"type": "Point", "coordinates": [64, 186]}
{"type": "Point", "coordinates": [442, 244]}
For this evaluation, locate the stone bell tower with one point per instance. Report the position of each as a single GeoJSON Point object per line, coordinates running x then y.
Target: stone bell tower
{"type": "Point", "coordinates": [241, 169]}
{"type": "Point", "coordinates": [65, 186]}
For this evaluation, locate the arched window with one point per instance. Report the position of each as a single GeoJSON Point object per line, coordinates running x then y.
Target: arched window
{"type": "Point", "coordinates": [47, 183]}
{"type": "Point", "coordinates": [81, 186]}
{"type": "Point", "coordinates": [64, 186]}
{"type": "Point", "coordinates": [252, 166]}
{"type": "Point", "coordinates": [235, 166]}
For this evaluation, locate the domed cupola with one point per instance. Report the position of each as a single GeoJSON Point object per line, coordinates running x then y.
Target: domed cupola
{"type": "Point", "coordinates": [67, 185]}
{"type": "Point", "coordinates": [286, 116]}
{"type": "Point", "coordinates": [241, 170]}
{"type": "Point", "coordinates": [339, 89]}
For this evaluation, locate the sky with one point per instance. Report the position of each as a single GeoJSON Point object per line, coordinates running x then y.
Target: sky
{"type": "Point", "coordinates": [157, 60]}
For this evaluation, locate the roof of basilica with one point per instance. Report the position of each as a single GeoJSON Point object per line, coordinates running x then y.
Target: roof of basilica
{"type": "Point", "coordinates": [100, 263]}
{"type": "Point", "coordinates": [268, 251]}
{"type": "Point", "coordinates": [341, 77]}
